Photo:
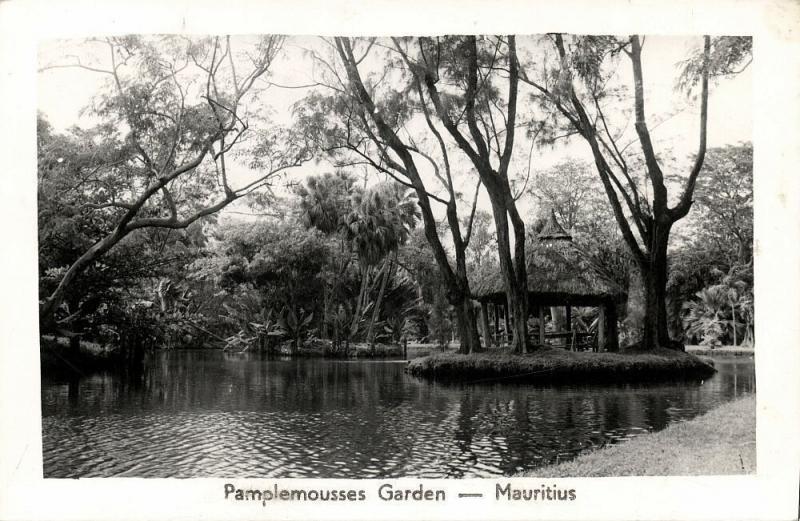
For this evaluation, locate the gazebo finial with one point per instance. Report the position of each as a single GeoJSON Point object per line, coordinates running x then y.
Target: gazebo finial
{"type": "Point", "coordinates": [553, 231]}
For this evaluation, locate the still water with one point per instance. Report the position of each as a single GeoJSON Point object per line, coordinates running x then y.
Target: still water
{"type": "Point", "coordinates": [210, 414]}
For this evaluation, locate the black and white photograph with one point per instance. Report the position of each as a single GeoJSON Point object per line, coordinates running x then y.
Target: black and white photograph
{"type": "Point", "coordinates": [448, 256]}
{"type": "Point", "coordinates": [511, 258]}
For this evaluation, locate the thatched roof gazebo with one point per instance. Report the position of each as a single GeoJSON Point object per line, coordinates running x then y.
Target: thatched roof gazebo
{"type": "Point", "coordinates": [558, 275]}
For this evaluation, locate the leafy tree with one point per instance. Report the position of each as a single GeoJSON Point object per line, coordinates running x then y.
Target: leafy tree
{"type": "Point", "coordinates": [461, 80]}
{"type": "Point", "coordinates": [724, 202]}
{"type": "Point", "coordinates": [357, 123]}
{"type": "Point", "coordinates": [378, 225]}
{"type": "Point", "coordinates": [325, 203]}
{"type": "Point", "coordinates": [282, 261]}
{"type": "Point", "coordinates": [102, 300]}
{"type": "Point", "coordinates": [482, 246]}
{"type": "Point", "coordinates": [716, 240]}
{"type": "Point", "coordinates": [576, 89]}
{"type": "Point", "coordinates": [173, 111]}
{"type": "Point", "coordinates": [325, 200]}
{"type": "Point", "coordinates": [573, 192]}
{"type": "Point", "coordinates": [722, 313]}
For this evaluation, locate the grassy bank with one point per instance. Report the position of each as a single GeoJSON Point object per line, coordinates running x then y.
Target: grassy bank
{"type": "Point", "coordinates": [552, 365]}
{"type": "Point", "coordinates": [721, 350]}
{"type": "Point", "coordinates": [720, 442]}
{"type": "Point", "coordinates": [325, 349]}
{"type": "Point", "coordinates": [56, 354]}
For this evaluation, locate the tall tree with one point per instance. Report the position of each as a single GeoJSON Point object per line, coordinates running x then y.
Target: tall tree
{"type": "Point", "coordinates": [382, 217]}
{"type": "Point", "coordinates": [724, 198]}
{"type": "Point", "coordinates": [325, 204]}
{"type": "Point", "coordinates": [173, 111]}
{"type": "Point", "coordinates": [576, 88]}
{"type": "Point", "coordinates": [460, 80]}
{"type": "Point", "coordinates": [362, 124]}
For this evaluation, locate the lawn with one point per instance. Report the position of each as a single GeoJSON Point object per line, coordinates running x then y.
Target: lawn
{"type": "Point", "coordinates": [720, 442]}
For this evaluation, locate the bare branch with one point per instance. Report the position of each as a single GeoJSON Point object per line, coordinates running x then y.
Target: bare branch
{"type": "Point", "coordinates": [471, 220]}
{"type": "Point", "coordinates": [685, 202]}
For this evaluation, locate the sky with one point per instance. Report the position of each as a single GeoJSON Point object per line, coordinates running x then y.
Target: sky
{"type": "Point", "coordinates": [64, 92]}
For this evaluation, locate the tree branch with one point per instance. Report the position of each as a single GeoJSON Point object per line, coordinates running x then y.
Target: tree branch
{"type": "Point", "coordinates": [685, 201]}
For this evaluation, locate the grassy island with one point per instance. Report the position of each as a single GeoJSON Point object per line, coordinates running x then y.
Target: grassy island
{"type": "Point", "coordinates": [720, 442]}
{"type": "Point", "coordinates": [552, 365]}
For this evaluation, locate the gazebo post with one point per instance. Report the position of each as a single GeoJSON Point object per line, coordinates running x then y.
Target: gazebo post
{"type": "Point", "coordinates": [496, 313]}
{"type": "Point", "coordinates": [507, 321]}
{"type": "Point", "coordinates": [601, 329]}
{"type": "Point", "coordinates": [541, 325]}
{"type": "Point", "coordinates": [611, 325]}
{"type": "Point", "coordinates": [569, 317]}
{"type": "Point", "coordinates": [487, 335]}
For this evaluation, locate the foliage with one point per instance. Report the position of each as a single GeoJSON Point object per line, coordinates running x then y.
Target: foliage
{"type": "Point", "coordinates": [283, 261]}
{"type": "Point", "coordinates": [714, 254]}
{"type": "Point", "coordinates": [722, 313]}
{"type": "Point", "coordinates": [574, 193]}
{"type": "Point", "coordinates": [325, 200]}
{"type": "Point", "coordinates": [729, 56]}
{"type": "Point", "coordinates": [295, 324]}
{"type": "Point", "coordinates": [705, 316]}
{"type": "Point", "coordinates": [722, 217]}
{"type": "Point", "coordinates": [483, 242]}
{"type": "Point", "coordinates": [170, 111]}
{"type": "Point", "coordinates": [139, 190]}
{"type": "Point", "coordinates": [380, 221]}
{"type": "Point", "coordinates": [120, 288]}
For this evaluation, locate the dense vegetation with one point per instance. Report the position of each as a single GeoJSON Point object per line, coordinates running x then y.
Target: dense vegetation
{"type": "Point", "coordinates": [375, 239]}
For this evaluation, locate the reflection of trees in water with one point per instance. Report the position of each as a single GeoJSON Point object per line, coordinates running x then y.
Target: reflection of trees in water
{"type": "Point", "coordinates": [373, 417]}
{"type": "Point", "coordinates": [465, 426]}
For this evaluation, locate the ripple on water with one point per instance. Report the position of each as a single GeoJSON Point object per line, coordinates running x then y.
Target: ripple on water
{"type": "Point", "coordinates": [205, 415]}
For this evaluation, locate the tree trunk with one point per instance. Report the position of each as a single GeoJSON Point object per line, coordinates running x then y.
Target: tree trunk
{"type": "Point", "coordinates": [326, 304]}
{"type": "Point", "coordinates": [487, 334]}
{"type": "Point", "coordinates": [361, 299]}
{"type": "Point", "coordinates": [456, 284]}
{"type": "Point", "coordinates": [496, 332]}
{"type": "Point", "coordinates": [515, 278]}
{"type": "Point", "coordinates": [53, 302]}
{"type": "Point", "coordinates": [601, 329]}
{"type": "Point", "coordinates": [467, 327]}
{"type": "Point", "coordinates": [654, 276]}
{"type": "Point", "coordinates": [635, 309]}
{"type": "Point", "coordinates": [386, 270]}
{"type": "Point", "coordinates": [506, 324]}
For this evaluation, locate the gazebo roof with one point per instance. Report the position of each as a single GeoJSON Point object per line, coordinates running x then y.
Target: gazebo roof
{"type": "Point", "coordinates": [557, 274]}
{"type": "Point", "coordinates": [553, 231]}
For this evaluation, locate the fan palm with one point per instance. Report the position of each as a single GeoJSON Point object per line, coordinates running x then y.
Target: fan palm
{"type": "Point", "coordinates": [381, 220]}
{"type": "Point", "coordinates": [325, 200]}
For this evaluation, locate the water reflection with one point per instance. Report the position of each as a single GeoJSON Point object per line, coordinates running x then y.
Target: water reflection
{"type": "Point", "coordinates": [203, 414]}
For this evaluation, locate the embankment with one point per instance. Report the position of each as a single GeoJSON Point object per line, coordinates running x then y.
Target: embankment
{"type": "Point", "coordinates": [552, 365]}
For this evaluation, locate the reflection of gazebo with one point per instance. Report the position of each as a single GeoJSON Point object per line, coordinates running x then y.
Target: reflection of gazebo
{"type": "Point", "coordinates": [558, 275]}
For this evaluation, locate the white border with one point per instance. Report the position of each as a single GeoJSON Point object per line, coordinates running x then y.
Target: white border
{"type": "Point", "coordinates": [772, 494]}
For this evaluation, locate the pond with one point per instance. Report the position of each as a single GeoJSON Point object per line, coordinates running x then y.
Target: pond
{"type": "Point", "coordinates": [212, 414]}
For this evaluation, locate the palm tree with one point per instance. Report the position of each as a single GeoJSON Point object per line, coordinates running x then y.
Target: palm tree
{"type": "Point", "coordinates": [325, 203]}
{"type": "Point", "coordinates": [380, 222]}
{"type": "Point", "coordinates": [325, 200]}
